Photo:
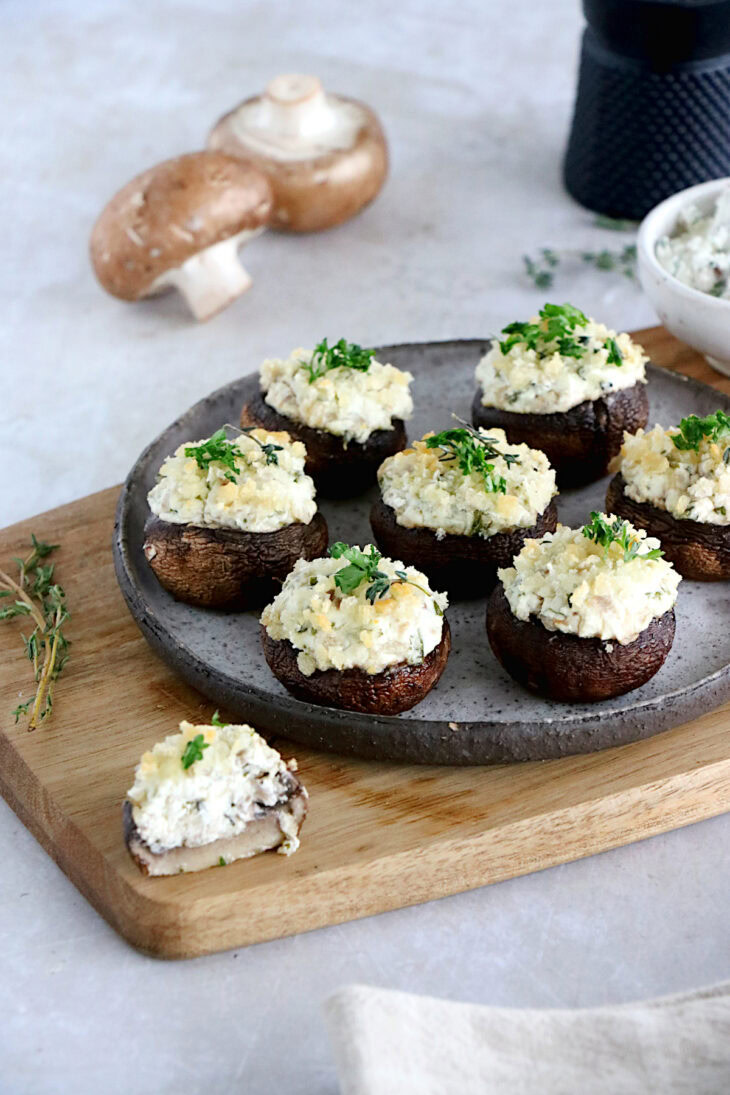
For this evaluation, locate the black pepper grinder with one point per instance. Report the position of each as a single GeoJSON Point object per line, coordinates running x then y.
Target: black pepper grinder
{"type": "Point", "coordinates": [652, 112]}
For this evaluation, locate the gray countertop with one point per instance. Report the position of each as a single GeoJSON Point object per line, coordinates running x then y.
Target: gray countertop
{"type": "Point", "coordinates": [476, 102]}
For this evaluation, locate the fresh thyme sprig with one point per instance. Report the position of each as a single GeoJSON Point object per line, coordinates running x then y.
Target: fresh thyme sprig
{"type": "Point", "coordinates": [363, 567]}
{"type": "Point", "coordinates": [343, 355]}
{"type": "Point", "coordinates": [37, 596]}
{"type": "Point", "coordinates": [692, 430]}
{"type": "Point", "coordinates": [604, 534]}
{"type": "Point", "coordinates": [194, 751]}
{"type": "Point", "coordinates": [540, 269]}
{"type": "Point", "coordinates": [219, 450]}
{"type": "Point", "coordinates": [473, 450]}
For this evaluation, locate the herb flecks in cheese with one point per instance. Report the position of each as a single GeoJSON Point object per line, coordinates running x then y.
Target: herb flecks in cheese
{"type": "Point", "coordinates": [684, 471]}
{"type": "Point", "coordinates": [557, 360]}
{"type": "Point", "coordinates": [698, 252]}
{"type": "Point", "coordinates": [429, 486]}
{"type": "Point", "coordinates": [334, 629]}
{"type": "Point", "coordinates": [350, 402]}
{"type": "Point", "coordinates": [235, 780]}
{"type": "Point", "coordinates": [573, 583]}
{"type": "Point", "coordinates": [254, 483]}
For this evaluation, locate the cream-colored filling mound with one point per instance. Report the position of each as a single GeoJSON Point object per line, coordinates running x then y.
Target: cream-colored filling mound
{"type": "Point", "coordinates": [332, 630]}
{"type": "Point", "coordinates": [349, 403]}
{"type": "Point", "coordinates": [572, 584]}
{"type": "Point", "coordinates": [217, 796]}
{"type": "Point", "coordinates": [687, 483]}
{"type": "Point", "coordinates": [543, 381]}
{"type": "Point", "coordinates": [428, 492]}
{"type": "Point", "coordinates": [265, 497]}
{"type": "Point", "coordinates": [698, 253]}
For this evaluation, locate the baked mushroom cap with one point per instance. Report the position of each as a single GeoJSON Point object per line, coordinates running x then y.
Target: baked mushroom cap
{"type": "Point", "coordinates": [180, 225]}
{"type": "Point", "coordinates": [566, 667]}
{"type": "Point", "coordinates": [325, 155]}
{"type": "Point", "coordinates": [579, 443]}
{"type": "Point", "coordinates": [395, 689]}
{"type": "Point", "coordinates": [212, 567]}
{"type": "Point", "coordinates": [338, 471]}
{"type": "Point", "coordinates": [464, 566]}
{"type": "Point", "coordinates": [698, 549]}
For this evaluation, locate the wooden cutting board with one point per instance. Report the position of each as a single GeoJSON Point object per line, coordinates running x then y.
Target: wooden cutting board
{"type": "Point", "coordinates": [378, 836]}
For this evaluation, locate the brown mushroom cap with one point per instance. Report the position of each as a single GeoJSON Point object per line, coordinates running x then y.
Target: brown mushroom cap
{"type": "Point", "coordinates": [325, 155]}
{"type": "Point", "coordinates": [171, 213]}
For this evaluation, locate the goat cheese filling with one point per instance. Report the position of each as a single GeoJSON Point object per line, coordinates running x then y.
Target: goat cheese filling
{"type": "Point", "coordinates": [688, 483]}
{"type": "Point", "coordinates": [236, 777]}
{"type": "Point", "coordinates": [427, 489]}
{"type": "Point", "coordinates": [698, 251]}
{"type": "Point", "coordinates": [262, 487]}
{"type": "Point", "coordinates": [573, 584]}
{"type": "Point", "coordinates": [350, 403]}
{"type": "Point", "coordinates": [541, 379]}
{"type": "Point", "coordinates": [333, 630]}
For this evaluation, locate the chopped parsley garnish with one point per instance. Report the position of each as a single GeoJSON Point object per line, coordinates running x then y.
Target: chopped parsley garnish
{"type": "Point", "coordinates": [218, 721]}
{"type": "Point", "coordinates": [472, 451]}
{"type": "Point", "coordinates": [216, 450]}
{"type": "Point", "coordinates": [343, 355]}
{"type": "Point", "coordinates": [194, 750]}
{"type": "Point", "coordinates": [601, 532]}
{"type": "Point", "coordinates": [693, 430]}
{"type": "Point", "coordinates": [615, 357]}
{"type": "Point", "coordinates": [559, 322]}
{"type": "Point", "coordinates": [363, 567]}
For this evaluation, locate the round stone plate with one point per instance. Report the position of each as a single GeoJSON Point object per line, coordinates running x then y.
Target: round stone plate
{"type": "Point", "coordinates": [476, 714]}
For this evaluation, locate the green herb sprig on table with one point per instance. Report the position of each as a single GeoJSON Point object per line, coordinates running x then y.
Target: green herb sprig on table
{"type": "Point", "coordinates": [472, 451]}
{"type": "Point", "coordinates": [38, 597]}
{"type": "Point", "coordinates": [219, 450]}
{"type": "Point", "coordinates": [601, 532]}
{"type": "Point", "coordinates": [693, 430]}
{"type": "Point", "coordinates": [343, 355]}
{"type": "Point", "coordinates": [541, 268]}
{"type": "Point", "coordinates": [363, 567]}
{"type": "Point", "coordinates": [194, 751]}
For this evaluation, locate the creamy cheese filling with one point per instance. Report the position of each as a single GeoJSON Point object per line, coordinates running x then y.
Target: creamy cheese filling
{"type": "Point", "coordinates": [687, 483]}
{"type": "Point", "coordinates": [332, 630]}
{"type": "Point", "coordinates": [544, 381]}
{"type": "Point", "coordinates": [698, 252]}
{"type": "Point", "coordinates": [349, 403]}
{"type": "Point", "coordinates": [264, 496]}
{"type": "Point", "coordinates": [235, 778]}
{"type": "Point", "coordinates": [572, 584]}
{"type": "Point", "coordinates": [427, 491]}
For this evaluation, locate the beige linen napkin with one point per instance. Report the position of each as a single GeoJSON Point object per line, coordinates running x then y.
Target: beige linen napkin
{"type": "Point", "coordinates": [393, 1043]}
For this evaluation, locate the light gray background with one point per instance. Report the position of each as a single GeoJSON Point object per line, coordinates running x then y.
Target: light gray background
{"type": "Point", "coordinates": [476, 99]}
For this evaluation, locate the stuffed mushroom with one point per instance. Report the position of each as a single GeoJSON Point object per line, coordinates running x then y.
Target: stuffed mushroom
{"type": "Point", "coordinates": [357, 631]}
{"type": "Point", "coordinates": [347, 408]}
{"type": "Point", "coordinates": [461, 503]}
{"type": "Point", "coordinates": [564, 384]}
{"type": "Point", "coordinates": [676, 484]}
{"type": "Point", "coordinates": [230, 518]}
{"type": "Point", "coordinates": [585, 614]}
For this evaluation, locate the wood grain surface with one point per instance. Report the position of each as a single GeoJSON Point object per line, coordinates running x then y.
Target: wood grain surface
{"type": "Point", "coordinates": [378, 836]}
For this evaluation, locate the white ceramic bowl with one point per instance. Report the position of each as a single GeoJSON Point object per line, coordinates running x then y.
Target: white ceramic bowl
{"type": "Point", "coordinates": [700, 320]}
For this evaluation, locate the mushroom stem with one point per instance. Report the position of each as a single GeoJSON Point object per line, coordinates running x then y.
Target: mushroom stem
{"type": "Point", "coordinates": [211, 279]}
{"type": "Point", "coordinates": [295, 107]}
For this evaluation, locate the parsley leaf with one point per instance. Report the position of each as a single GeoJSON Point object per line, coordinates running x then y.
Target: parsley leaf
{"type": "Point", "coordinates": [194, 750]}
{"type": "Point", "coordinates": [363, 567]}
{"type": "Point", "coordinates": [604, 534]}
{"type": "Point", "coordinates": [217, 449]}
{"type": "Point", "coordinates": [473, 450]}
{"type": "Point", "coordinates": [615, 357]}
{"type": "Point", "coordinates": [218, 721]}
{"type": "Point", "coordinates": [558, 324]}
{"type": "Point", "coordinates": [693, 430]}
{"type": "Point", "coordinates": [343, 355]}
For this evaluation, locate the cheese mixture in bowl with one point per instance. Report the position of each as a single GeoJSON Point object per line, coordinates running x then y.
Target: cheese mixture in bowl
{"type": "Point", "coordinates": [254, 483]}
{"type": "Point", "coordinates": [351, 400]}
{"type": "Point", "coordinates": [697, 253]}
{"type": "Point", "coordinates": [427, 488]}
{"type": "Point", "coordinates": [560, 359]}
{"type": "Point", "coordinates": [391, 619]}
{"type": "Point", "coordinates": [207, 783]}
{"type": "Point", "coordinates": [610, 587]}
{"type": "Point", "coordinates": [689, 478]}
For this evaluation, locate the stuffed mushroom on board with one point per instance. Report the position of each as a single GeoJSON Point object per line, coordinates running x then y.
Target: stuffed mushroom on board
{"type": "Point", "coordinates": [357, 631]}
{"type": "Point", "coordinates": [461, 503]}
{"type": "Point", "coordinates": [564, 384]}
{"type": "Point", "coordinates": [231, 517]}
{"type": "Point", "coordinates": [343, 404]}
{"type": "Point", "coordinates": [585, 614]}
{"type": "Point", "coordinates": [675, 483]}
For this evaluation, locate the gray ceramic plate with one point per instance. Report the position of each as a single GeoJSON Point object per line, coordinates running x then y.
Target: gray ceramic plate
{"type": "Point", "coordinates": [476, 714]}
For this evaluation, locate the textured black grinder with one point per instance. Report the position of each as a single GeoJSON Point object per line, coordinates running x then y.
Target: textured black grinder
{"type": "Point", "coordinates": [652, 112]}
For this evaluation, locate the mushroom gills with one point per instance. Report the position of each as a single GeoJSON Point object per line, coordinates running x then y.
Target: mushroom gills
{"type": "Point", "coordinates": [211, 279]}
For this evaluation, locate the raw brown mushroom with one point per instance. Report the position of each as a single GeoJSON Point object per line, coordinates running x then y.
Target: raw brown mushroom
{"type": "Point", "coordinates": [180, 225]}
{"type": "Point", "coordinates": [325, 155]}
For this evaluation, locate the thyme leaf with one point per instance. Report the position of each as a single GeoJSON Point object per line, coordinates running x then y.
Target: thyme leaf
{"type": "Point", "coordinates": [472, 450]}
